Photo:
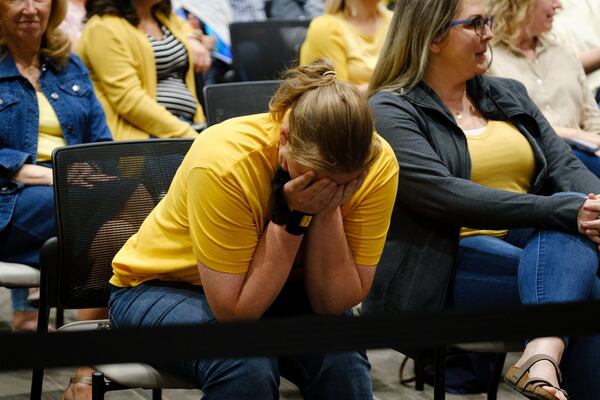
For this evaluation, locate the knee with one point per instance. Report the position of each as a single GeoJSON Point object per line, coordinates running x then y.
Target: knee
{"type": "Point", "coordinates": [255, 371]}
{"type": "Point", "coordinates": [248, 378]}
{"type": "Point", "coordinates": [353, 364]}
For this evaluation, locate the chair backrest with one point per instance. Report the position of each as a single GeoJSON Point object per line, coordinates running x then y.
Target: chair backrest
{"type": "Point", "coordinates": [263, 49]}
{"type": "Point", "coordinates": [228, 100]}
{"type": "Point", "coordinates": [104, 191]}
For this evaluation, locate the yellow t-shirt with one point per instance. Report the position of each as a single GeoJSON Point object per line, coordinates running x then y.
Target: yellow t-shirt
{"type": "Point", "coordinates": [501, 158]}
{"type": "Point", "coordinates": [50, 134]}
{"type": "Point", "coordinates": [353, 52]}
{"type": "Point", "coordinates": [218, 206]}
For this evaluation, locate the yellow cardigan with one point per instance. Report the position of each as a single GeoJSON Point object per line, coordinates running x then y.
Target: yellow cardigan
{"type": "Point", "coordinates": [123, 69]}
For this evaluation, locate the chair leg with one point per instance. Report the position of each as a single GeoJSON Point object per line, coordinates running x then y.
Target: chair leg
{"type": "Point", "coordinates": [439, 387]}
{"type": "Point", "coordinates": [497, 368]}
{"type": "Point", "coordinates": [37, 379]}
{"type": "Point", "coordinates": [60, 316]}
{"type": "Point", "coordinates": [419, 372]}
{"type": "Point", "coordinates": [156, 394]}
{"type": "Point", "coordinates": [98, 386]}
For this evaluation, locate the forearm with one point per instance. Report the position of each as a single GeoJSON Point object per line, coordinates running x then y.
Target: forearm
{"type": "Point", "coordinates": [590, 59]}
{"type": "Point", "coordinates": [267, 273]}
{"type": "Point", "coordinates": [11, 161]}
{"type": "Point", "coordinates": [574, 133]}
{"type": "Point", "coordinates": [332, 281]}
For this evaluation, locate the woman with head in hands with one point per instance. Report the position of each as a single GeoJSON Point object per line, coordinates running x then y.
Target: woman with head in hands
{"type": "Point", "coordinates": [269, 215]}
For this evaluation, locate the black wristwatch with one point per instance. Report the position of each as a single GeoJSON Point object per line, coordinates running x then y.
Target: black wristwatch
{"type": "Point", "coordinates": [295, 222]}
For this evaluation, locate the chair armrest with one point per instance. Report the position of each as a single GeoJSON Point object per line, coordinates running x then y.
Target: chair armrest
{"type": "Point", "coordinates": [14, 275]}
{"type": "Point", "coordinates": [49, 265]}
{"type": "Point", "coordinates": [89, 325]}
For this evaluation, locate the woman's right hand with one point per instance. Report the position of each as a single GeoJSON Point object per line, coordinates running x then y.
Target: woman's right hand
{"type": "Point", "coordinates": [588, 220]}
{"type": "Point", "coordinates": [34, 175]}
{"type": "Point", "coordinates": [307, 195]}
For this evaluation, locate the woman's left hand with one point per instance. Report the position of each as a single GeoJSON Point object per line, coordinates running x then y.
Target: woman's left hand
{"type": "Point", "coordinates": [345, 192]}
{"type": "Point", "coordinates": [200, 55]}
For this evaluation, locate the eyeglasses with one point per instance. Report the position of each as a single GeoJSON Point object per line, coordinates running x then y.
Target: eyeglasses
{"type": "Point", "coordinates": [477, 23]}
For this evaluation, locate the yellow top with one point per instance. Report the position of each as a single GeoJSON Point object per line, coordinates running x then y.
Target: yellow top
{"type": "Point", "coordinates": [353, 52]}
{"type": "Point", "coordinates": [218, 206]}
{"type": "Point", "coordinates": [123, 69]}
{"type": "Point", "coordinates": [501, 158]}
{"type": "Point", "coordinates": [50, 135]}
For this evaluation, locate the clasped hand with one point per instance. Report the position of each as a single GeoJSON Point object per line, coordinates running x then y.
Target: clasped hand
{"type": "Point", "coordinates": [312, 195]}
{"type": "Point", "coordinates": [588, 220]}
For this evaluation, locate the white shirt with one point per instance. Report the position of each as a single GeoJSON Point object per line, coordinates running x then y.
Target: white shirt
{"type": "Point", "coordinates": [577, 26]}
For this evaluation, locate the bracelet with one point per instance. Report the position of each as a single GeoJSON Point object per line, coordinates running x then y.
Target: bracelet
{"type": "Point", "coordinates": [296, 222]}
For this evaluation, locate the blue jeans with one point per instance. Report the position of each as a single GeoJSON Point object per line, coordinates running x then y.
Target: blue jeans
{"type": "Point", "coordinates": [536, 267]}
{"type": "Point", "coordinates": [591, 161]}
{"type": "Point", "coordinates": [31, 224]}
{"type": "Point", "coordinates": [342, 375]}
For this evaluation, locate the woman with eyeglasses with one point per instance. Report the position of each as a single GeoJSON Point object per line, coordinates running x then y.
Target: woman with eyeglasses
{"type": "Point", "coordinates": [490, 208]}
{"type": "Point", "coordinates": [553, 75]}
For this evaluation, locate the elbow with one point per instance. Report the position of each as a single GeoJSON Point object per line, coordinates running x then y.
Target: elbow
{"type": "Point", "coordinates": [337, 305]}
{"type": "Point", "coordinates": [234, 313]}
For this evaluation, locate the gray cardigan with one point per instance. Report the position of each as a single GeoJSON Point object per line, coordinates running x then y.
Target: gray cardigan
{"type": "Point", "coordinates": [436, 197]}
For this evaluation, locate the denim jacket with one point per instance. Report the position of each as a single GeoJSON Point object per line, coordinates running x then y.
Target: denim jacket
{"type": "Point", "coordinates": [70, 93]}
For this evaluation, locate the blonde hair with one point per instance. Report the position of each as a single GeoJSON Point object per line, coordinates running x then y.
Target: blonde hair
{"type": "Point", "coordinates": [329, 122]}
{"type": "Point", "coordinates": [55, 44]}
{"type": "Point", "coordinates": [509, 20]}
{"type": "Point", "coordinates": [334, 6]}
{"type": "Point", "coordinates": [415, 25]}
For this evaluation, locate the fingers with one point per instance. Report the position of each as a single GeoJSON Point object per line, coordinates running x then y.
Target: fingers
{"type": "Point", "coordinates": [301, 182]}
{"type": "Point", "coordinates": [352, 187]}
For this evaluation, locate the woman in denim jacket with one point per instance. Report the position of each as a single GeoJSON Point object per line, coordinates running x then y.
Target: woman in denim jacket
{"type": "Point", "coordinates": [46, 101]}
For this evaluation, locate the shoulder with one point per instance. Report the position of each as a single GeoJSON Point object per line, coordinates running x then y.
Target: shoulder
{"type": "Point", "coordinates": [326, 24]}
{"type": "Point", "coordinates": [508, 93]}
{"type": "Point", "coordinates": [111, 21]}
{"type": "Point", "coordinates": [243, 142]}
{"type": "Point", "coordinates": [382, 101]}
{"type": "Point", "coordinates": [503, 84]}
{"type": "Point", "coordinates": [561, 51]}
{"type": "Point", "coordinates": [172, 21]}
{"type": "Point", "coordinates": [76, 65]}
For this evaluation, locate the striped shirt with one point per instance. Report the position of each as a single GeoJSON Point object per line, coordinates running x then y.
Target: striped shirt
{"type": "Point", "coordinates": [171, 65]}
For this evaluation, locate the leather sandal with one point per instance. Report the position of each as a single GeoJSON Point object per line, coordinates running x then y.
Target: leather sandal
{"type": "Point", "coordinates": [87, 380]}
{"type": "Point", "coordinates": [518, 379]}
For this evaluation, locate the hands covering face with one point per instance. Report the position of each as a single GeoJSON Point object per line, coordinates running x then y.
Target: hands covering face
{"type": "Point", "coordinates": [312, 195]}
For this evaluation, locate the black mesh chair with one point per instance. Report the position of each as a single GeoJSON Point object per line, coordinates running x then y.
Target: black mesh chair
{"type": "Point", "coordinates": [263, 49]}
{"type": "Point", "coordinates": [228, 100]}
{"type": "Point", "coordinates": [103, 193]}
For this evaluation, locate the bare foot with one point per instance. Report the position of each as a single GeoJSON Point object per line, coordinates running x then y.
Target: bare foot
{"type": "Point", "coordinates": [26, 321]}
